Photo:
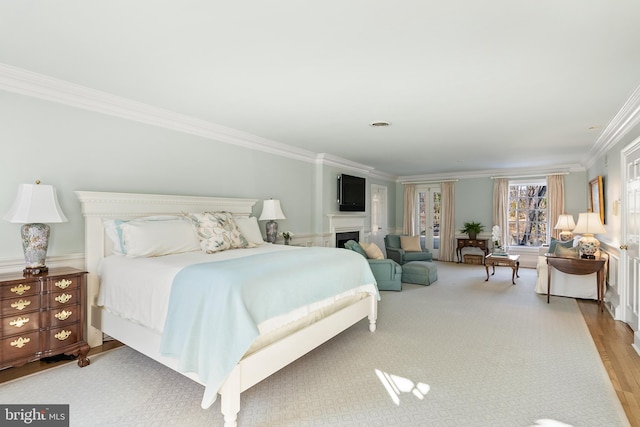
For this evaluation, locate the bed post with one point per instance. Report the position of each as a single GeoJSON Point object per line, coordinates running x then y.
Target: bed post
{"type": "Point", "coordinates": [373, 315]}
{"type": "Point", "coordinates": [230, 398]}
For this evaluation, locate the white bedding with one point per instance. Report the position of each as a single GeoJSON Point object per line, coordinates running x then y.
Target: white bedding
{"type": "Point", "coordinates": [138, 289]}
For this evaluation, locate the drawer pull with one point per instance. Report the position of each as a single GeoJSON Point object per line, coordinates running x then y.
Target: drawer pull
{"type": "Point", "coordinates": [63, 315]}
{"type": "Point", "coordinates": [63, 284]}
{"type": "Point", "coordinates": [20, 342]}
{"type": "Point", "coordinates": [62, 335]}
{"type": "Point", "coordinates": [20, 304]}
{"type": "Point", "coordinates": [62, 298]}
{"type": "Point", "coordinates": [19, 322]}
{"type": "Point", "coordinates": [20, 289]}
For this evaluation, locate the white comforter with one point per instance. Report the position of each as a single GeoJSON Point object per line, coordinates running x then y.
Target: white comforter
{"type": "Point", "coordinates": [138, 289]}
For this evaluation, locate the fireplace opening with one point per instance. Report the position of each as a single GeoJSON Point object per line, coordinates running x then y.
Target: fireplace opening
{"type": "Point", "coordinates": [344, 237]}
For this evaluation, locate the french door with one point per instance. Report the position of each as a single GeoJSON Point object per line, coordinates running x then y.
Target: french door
{"type": "Point", "coordinates": [428, 216]}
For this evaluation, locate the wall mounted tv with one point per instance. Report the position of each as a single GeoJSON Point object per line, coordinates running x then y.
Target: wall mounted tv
{"type": "Point", "coordinates": [351, 193]}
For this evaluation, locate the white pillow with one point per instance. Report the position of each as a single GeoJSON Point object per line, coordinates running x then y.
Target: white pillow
{"type": "Point", "coordinates": [152, 236]}
{"type": "Point", "coordinates": [250, 229]}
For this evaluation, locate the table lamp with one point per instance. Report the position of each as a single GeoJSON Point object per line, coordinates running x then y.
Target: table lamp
{"type": "Point", "coordinates": [35, 205]}
{"type": "Point", "coordinates": [588, 225]}
{"type": "Point", "coordinates": [566, 224]}
{"type": "Point", "coordinates": [271, 211]}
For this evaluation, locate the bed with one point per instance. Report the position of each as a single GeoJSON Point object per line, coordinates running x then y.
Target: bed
{"type": "Point", "coordinates": [282, 336]}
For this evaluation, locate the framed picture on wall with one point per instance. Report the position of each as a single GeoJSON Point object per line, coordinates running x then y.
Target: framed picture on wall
{"type": "Point", "coordinates": [596, 197]}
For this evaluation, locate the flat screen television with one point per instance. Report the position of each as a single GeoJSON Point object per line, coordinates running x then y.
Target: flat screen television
{"type": "Point", "coordinates": [351, 193]}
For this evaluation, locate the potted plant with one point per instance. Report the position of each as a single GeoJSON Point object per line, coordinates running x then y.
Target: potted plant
{"type": "Point", "coordinates": [472, 229]}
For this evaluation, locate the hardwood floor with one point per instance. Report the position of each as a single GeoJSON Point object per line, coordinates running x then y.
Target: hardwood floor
{"type": "Point", "coordinates": [613, 340]}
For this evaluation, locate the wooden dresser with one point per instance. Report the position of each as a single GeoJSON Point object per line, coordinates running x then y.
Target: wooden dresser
{"type": "Point", "coordinates": [42, 316]}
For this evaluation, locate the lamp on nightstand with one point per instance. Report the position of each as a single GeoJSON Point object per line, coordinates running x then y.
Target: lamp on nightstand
{"type": "Point", "coordinates": [566, 224]}
{"type": "Point", "coordinates": [588, 225]}
{"type": "Point", "coordinates": [271, 211]}
{"type": "Point", "coordinates": [34, 205]}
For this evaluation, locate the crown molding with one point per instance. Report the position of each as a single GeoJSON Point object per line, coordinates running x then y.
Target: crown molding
{"type": "Point", "coordinates": [620, 125]}
{"type": "Point", "coordinates": [24, 82]}
{"type": "Point", "coordinates": [331, 160]}
{"type": "Point", "coordinates": [492, 173]}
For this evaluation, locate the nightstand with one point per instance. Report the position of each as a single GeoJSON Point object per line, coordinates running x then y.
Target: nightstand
{"type": "Point", "coordinates": [42, 316]}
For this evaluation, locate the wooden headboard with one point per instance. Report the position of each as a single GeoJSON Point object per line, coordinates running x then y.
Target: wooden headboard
{"type": "Point", "coordinates": [99, 206]}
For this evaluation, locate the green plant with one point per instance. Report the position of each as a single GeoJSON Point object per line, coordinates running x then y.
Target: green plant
{"type": "Point", "coordinates": [472, 228]}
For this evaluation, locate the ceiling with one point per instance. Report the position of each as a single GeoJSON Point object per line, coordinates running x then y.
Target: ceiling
{"type": "Point", "coordinates": [466, 85]}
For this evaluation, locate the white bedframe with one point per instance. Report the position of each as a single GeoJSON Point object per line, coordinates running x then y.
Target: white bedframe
{"type": "Point", "coordinates": [97, 206]}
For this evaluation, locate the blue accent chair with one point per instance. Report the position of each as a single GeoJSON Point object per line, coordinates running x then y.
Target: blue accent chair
{"type": "Point", "coordinates": [399, 255]}
{"type": "Point", "coordinates": [387, 272]}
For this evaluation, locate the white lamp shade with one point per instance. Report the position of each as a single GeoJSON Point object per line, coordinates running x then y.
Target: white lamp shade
{"type": "Point", "coordinates": [35, 203]}
{"type": "Point", "coordinates": [565, 222]}
{"type": "Point", "coordinates": [271, 210]}
{"type": "Point", "coordinates": [589, 223]}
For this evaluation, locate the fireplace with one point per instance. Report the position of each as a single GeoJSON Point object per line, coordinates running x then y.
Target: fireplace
{"type": "Point", "coordinates": [344, 237]}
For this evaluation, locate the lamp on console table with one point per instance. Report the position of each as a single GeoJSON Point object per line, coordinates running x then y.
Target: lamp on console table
{"type": "Point", "coordinates": [588, 225]}
{"type": "Point", "coordinates": [34, 205]}
{"type": "Point", "coordinates": [271, 211]}
{"type": "Point", "coordinates": [566, 224]}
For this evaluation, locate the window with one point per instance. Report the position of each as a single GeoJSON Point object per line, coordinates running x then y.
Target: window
{"type": "Point", "coordinates": [528, 213]}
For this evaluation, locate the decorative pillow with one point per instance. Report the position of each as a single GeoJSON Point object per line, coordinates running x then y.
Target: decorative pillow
{"type": "Point", "coordinates": [217, 231]}
{"type": "Point", "coordinates": [356, 247]}
{"type": "Point", "coordinates": [250, 229]}
{"type": "Point", "coordinates": [372, 250]}
{"type": "Point", "coordinates": [563, 251]}
{"type": "Point", "coordinates": [410, 243]}
{"type": "Point", "coordinates": [157, 237]}
{"type": "Point", "coordinates": [555, 243]}
{"type": "Point", "coordinates": [114, 231]}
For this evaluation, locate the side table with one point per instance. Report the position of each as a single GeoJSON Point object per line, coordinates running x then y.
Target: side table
{"type": "Point", "coordinates": [580, 266]}
{"type": "Point", "coordinates": [471, 243]}
{"type": "Point", "coordinates": [512, 261]}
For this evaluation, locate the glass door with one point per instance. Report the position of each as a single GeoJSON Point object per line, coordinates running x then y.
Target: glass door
{"type": "Point", "coordinates": [429, 207]}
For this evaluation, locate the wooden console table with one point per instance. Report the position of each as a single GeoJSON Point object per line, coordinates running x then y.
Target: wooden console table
{"type": "Point", "coordinates": [471, 243]}
{"type": "Point", "coordinates": [579, 266]}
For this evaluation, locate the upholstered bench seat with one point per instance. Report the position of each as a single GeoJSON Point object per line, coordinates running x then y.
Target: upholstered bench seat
{"type": "Point", "coordinates": [419, 272]}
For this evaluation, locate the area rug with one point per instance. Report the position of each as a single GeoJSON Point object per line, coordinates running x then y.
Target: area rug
{"type": "Point", "coordinates": [461, 352]}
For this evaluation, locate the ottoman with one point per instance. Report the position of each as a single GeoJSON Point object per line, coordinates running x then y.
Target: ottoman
{"type": "Point", "coordinates": [419, 272]}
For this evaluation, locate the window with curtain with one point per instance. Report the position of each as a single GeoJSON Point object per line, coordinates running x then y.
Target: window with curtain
{"type": "Point", "coordinates": [528, 216]}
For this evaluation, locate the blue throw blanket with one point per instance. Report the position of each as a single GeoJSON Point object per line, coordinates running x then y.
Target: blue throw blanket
{"type": "Point", "coordinates": [215, 308]}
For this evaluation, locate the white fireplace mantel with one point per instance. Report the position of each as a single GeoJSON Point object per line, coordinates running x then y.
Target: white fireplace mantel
{"type": "Point", "coordinates": [341, 223]}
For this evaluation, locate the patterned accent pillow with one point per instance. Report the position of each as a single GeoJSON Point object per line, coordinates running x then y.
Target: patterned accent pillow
{"type": "Point", "coordinates": [217, 231]}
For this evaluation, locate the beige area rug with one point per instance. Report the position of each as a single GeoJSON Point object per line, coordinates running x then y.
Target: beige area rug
{"type": "Point", "coordinates": [461, 352]}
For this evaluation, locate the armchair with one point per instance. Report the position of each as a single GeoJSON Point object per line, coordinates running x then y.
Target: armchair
{"type": "Point", "coordinates": [387, 272]}
{"type": "Point", "coordinates": [392, 243]}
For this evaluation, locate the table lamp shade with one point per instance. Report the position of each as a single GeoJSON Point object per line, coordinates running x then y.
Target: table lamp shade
{"type": "Point", "coordinates": [35, 205]}
{"type": "Point", "coordinates": [271, 211]}
{"type": "Point", "coordinates": [588, 225]}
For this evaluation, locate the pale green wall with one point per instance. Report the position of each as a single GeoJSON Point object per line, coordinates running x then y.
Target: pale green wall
{"type": "Point", "coordinates": [609, 166]}
{"type": "Point", "coordinates": [75, 149]}
{"type": "Point", "coordinates": [474, 200]}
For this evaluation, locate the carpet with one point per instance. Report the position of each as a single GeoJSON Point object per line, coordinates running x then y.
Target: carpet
{"type": "Point", "coordinates": [461, 352]}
